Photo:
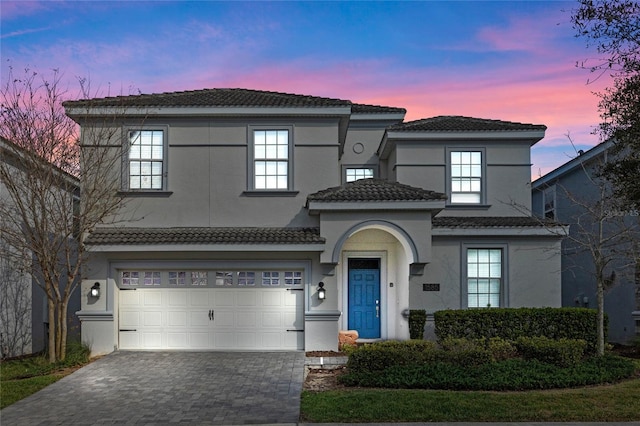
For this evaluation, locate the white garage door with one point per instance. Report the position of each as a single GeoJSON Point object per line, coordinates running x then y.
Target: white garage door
{"type": "Point", "coordinates": [231, 317]}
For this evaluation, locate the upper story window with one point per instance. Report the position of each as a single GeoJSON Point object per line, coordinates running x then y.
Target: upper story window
{"type": "Point", "coordinates": [271, 162]}
{"type": "Point", "coordinates": [147, 150]}
{"type": "Point", "coordinates": [357, 173]}
{"type": "Point", "coordinates": [549, 202]}
{"type": "Point", "coordinates": [466, 177]}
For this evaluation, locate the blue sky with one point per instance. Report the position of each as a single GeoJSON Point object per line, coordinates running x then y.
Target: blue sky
{"type": "Point", "coordinates": [509, 60]}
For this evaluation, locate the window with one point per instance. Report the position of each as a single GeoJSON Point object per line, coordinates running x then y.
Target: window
{"type": "Point", "coordinates": [484, 277]}
{"type": "Point", "coordinates": [224, 278]}
{"type": "Point", "coordinates": [549, 202]}
{"type": "Point", "coordinates": [247, 279]}
{"type": "Point", "coordinates": [466, 177]}
{"type": "Point", "coordinates": [270, 278]}
{"type": "Point", "coordinates": [353, 174]}
{"type": "Point", "coordinates": [271, 160]}
{"type": "Point", "coordinates": [199, 278]}
{"type": "Point", "coordinates": [146, 159]}
{"type": "Point", "coordinates": [177, 278]}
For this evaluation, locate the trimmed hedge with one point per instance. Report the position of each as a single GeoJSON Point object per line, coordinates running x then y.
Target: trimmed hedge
{"type": "Point", "coordinates": [380, 356]}
{"type": "Point", "coordinates": [512, 374]}
{"type": "Point", "coordinates": [417, 320]}
{"type": "Point", "coordinates": [513, 323]}
{"type": "Point", "coordinates": [562, 352]}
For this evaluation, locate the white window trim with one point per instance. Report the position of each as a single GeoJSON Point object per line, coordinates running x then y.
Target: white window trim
{"type": "Point", "coordinates": [251, 160]}
{"type": "Point", "coordinates": [483, 177]}
{"type": "Point", "coordinates": [345, 167]}
{"type": "Point", "coordinates": [464, 289]}
{"type": "Point", "coordinates": [126, 161]}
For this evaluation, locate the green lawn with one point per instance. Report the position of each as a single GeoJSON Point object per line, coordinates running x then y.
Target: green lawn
{"type": "Point", "coordinates": [618, 402]}
{"type": "Point", "coordinates": [20, 378]}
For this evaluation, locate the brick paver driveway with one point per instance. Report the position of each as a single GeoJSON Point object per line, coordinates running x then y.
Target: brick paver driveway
{"type": "Point", "coordinates": [168, 388]}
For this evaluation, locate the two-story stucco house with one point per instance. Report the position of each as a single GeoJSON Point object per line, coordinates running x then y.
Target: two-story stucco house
{"type": "Point", "coordinates": [563, 195]}
{"type": "Point", "coordinates": [271, 221]}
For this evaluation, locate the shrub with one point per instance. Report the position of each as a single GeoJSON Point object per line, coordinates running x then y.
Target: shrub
{"type": "Point", "coordinates": [417, 320]}
{"type": "Point", "coordinates": [512, 374]}
{"type": "Point", "coordinates": [465, 352]}
{"type": "Point", "coordinates": [512, 323]}
{"type": "Point", "coordinates": [380, 356]}
{"type": "Point", "coordinates": [561, 352]}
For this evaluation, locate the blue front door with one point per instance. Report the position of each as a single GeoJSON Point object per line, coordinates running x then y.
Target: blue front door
{"type": "Point", "coordinates": [364, 297]}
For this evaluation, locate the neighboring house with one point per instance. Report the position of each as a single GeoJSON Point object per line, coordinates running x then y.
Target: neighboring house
{"type": "Point", "coordinates": [265, 220]}
{"type": "Point", "coordinates": [560, 195]}
{"type": "Point", "coordinates": [24, 321]}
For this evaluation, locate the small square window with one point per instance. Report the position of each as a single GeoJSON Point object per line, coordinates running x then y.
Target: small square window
{"type": "Point", "coordinates": [178, 278]}
{"type": "Point", "coordinates": [199, 278]}
{"type": "Point", "coordinates": [224, 278]}
{"type": "Point", "coordinates": [247, 279]}
{"type": "Point", "coordinates": [130, 278]}
{"type": "Point", "coordinates": [271, 278]}
{"type": "Point", "coordinates": [152, 278]}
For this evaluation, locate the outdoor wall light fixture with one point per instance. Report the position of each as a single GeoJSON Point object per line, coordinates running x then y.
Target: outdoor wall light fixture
{"type": "Point", "coordinates": [95, 290]}
{"type": "Point", "coordinates": [321, 291]}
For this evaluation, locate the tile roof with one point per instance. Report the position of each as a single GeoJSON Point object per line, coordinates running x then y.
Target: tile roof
{"type": "Point", "coordinates": [492, 222]}
{"type": "Point", "coordinates": [455, 123]}
{"type": "Point", "coordinates": [364, 190]}
{"type": "Point", "coordinates": [228, 98]}
{"type": "Point", "coordinates": [137, 236]}
{"type": "Point", "coordinates": [375, 109]}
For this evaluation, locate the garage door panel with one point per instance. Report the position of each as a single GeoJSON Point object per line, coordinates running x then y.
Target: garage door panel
{"type": "Point", "coordinates": [176, 319]}
{"type": "Point", "coordinates": [224, 298]}
{"type": "Point", "coordinates": [211, 318]}
{"type": "Point", "coordinates": [293, 340]}
{"type": "Point", "coordinates": [199, 340]}
{"type": "Point", "coordinates": [292, 299]}
{"type": "Point", "coordinates": [272, 298]}
{"type": "Point", "coordinates": [129, 319]}
{"type": "Point", "coordinates": [246, 340]}
{"type": "Point", "coordinates": [199, 298]}
{"type": "Point", "coordinates": [224, 340]}
{"type": "Point", "coordinates": [129, 298]}
{"type": "Point", "coordinates": [152, 340]}
{"type": "Point", "coordinates": [245, 319]}
{"type": "Point", "coordinates": [152, 318]}
{"type": "Point", "coordinates": [152, 297]}
{"type": "Point", "coordinates": [224, 319]}
{"type": "Point", "coordinates": [177, 340]}
{"type": "Point", "coordinates": [178, 298]}
{"type": "Point", "coordinates": [130, 340]}
{"type": "Point", "coordinates": [199, 318]}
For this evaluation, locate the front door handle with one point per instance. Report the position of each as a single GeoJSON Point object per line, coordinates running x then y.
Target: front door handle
{"type": "Point", "coordinates": [377, 309]}
{"type": "Point", "coordinates": [210, 314]}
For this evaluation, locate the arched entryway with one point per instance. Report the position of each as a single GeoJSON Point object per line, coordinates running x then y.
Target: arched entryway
{"type": "Point", "coordinates": [373, 280]}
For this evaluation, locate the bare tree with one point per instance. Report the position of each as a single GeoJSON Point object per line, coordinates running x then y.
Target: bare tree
{"type": "Point", "coordinates": [600, 230]}
{"type": "Point", "coordinates": [43, 211]}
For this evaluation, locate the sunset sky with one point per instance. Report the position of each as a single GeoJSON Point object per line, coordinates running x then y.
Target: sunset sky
{"type": "Point", "coordinates": [508, 60]}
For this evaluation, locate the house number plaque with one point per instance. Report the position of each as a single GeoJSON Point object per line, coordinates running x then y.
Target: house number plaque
{"type": "Point", "coordinates": [431, 287]}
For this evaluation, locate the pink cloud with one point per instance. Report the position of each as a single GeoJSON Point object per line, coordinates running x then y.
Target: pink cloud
{"type": "Point", "coordinates": [14, 9]}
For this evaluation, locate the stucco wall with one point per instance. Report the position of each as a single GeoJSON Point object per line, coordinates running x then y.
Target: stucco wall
{"type": "Point", "coordinates": [532, 276]}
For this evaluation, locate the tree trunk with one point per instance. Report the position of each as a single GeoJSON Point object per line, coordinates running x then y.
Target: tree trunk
{"type": "Point", "coordinates": [600, 300]}
{"type": "Point", "coordinates": [62, 326]}
{"type": "Point", "coordinates": [52, 330]}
